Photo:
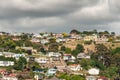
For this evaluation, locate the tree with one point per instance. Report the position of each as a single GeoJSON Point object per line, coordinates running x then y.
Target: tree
{"type": "Point", "coordinates": [110, 72]}
{"type": "Point", "coordinates": [75, 52]}
{"type": "Point", "coordinates": [53, 47]}
{"type": "Point", "coordinates": [116, 50]}
{"type": "Point", "coordinates": [21, 63]}
{"type": "Point", "coordinates": [52, 40]}
{"type": "Point", "coordinates": [68, 50]}
{"type": "Point", "coordinates": [63, 48]}
{"type": "Point", "coordinates": [74, 31]}
{"type": "Point", "coordinates": [113, 33]}
{"type": "Point", "coordinates": [85, 63]}
{"type": "Point", "coordinates": [42, 50]}
{"type": "Point", "coordinates": [80, 48]}
{"type": "Point", "coordinates": [102, 54]}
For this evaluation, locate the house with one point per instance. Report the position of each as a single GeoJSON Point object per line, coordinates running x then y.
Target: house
{"type": "Point", "coordinates": [6, 63]}
{"type": "Point", "coordinates": [41, 60]}
{"type": "Point", "coordinates": [61, 67]}
{"type": "Point", "coordinates": [83, 56]}
{"type": "Point", "coordinates": [51, 71]}
{"type": "Point", "coordinates": [60, 40]}
{"type": "Point", "coordinates": [102, 38]}
{"type": "Point", "coordinates": [90, 37]}
{"type": "Point", "coordinates": [54, 56]}
{"type": "Point", "coordinates": [1, 53]}
{"type": "Point", "coordinates": [37, 36]}
{"type": "Point", "coordinates": [93, 71]}
{"type": "Point", "coordinates": [38, 71]}
{"type": "Point", "coordinates": [74, 67]}
{"type": "Point", "coordinates": [17, 56]}
{"type": "Point", "coordinates": [46, 35]}
{"type": "Point", "coordinates": [2, 72]}
{"type": "Point", "coordinates": [8, 54]}
{"type": "Point", "coordinates": [74, 36]}
{"type": "Point", "coordinates": [38, 77]}
{"type": "Point", "coordinates": [9, 78]}
{"type": "Point", "coordinates": [91, 78]}
{"type": "Point", "coordinates": [102, 78]}
{"type": "Point", "coordinates": [16, 39]}
{"type": "Point", "coordinates": [15, 34]}
{"type": "Point", "coordinates": [69, 58]}
{"type": "Point", "coordinates": [44, 41]}
{"type": "Point", "coordinates": [35, 40]}
{"type": "Point", "coordinates": [29, 50]}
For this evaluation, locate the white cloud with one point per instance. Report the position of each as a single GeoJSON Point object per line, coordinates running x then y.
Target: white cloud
{"type": "Point", "coordinates": [56, 15]}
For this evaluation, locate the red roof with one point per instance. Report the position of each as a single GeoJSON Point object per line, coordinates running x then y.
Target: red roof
{"type": "Point", "coordinates": [103, 78]}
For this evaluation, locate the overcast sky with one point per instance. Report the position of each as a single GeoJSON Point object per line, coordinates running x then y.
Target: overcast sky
{"type": "Point", "coordinates": [59, 15]}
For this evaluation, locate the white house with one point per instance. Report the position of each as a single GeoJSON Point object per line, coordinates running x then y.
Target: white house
{"type": "Point", "coordinates": [1, 53]}
{"type": "Point", "coordinates": [83, 55]}
{"type": "Point", "coordinates": [41, 60]}
{"type": "Point", "coordinates": [60, 40]}
{"type": "Point", "coordinates": [74, 67]}
{"type": "Point", "coordinates": [74, 36]}
{"type": "Point", "coordinates": [6, 63]}
{"type": "Point", "coordinates": [44, 41]}
{"type": "Point", "coordinates": [37, 36]}
{"type": "Point", "coordinates": [91, 37]}
{"type": "Point", "coordinates": [51, 71]}
{"type": "Point", "coordinates": [53, 54]}
{"type": "Point", "coordinates": [91, 78]}
{"type": "Point", "coordinates": [93, 71]}
{"type": "Point", "coordinates": [8, 54]}
{"type": "Point", "coordinates": [68, 57]}
{"type": "Point", "coordinates": [9, 78]}
{"type": "Point", "coordinates": [46, 35]}
{"type": "Point", "coordinates": [15, 34]}
{"type": "Point", "coordinates": [59, 35]}
{"type": "Point", "coordinates": [17, 56]}
{"type": "Point", "coordinates": [34, 40]}
{"type": "Point", "coordinates": [102, 38]}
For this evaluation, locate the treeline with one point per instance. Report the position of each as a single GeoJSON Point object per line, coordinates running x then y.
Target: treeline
{"type": "Point", "coordinates": [91, 32]}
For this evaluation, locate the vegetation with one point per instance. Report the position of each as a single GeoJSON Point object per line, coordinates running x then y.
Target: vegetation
{"type": "Point", "coordinates": [71, 77]}
{"type": "Point", "coordinates": [79, 48]}
{"type": "Point", "coordinates": [2, 58]}
{"type": "Point", "coordinates": [20, 64]}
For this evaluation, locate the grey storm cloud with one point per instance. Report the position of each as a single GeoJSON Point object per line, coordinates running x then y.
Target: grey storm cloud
{"type": "Point", "coordinates": [59, 16]}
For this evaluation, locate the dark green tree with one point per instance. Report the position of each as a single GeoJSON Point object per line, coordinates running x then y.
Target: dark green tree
{"type": "Point", "coordinates": [63, 48]}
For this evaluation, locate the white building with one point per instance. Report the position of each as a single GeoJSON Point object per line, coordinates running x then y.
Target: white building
{"type": "Point", "coordinates": [93, 71]}
{"type": "Point", "coordinates": [75, 67]}
{"type": "Point", "coordinates": [9, 78]}
{"type": "Point", "coordinates": [60, 40]}
{"type": "Point", "coordinates": [17, 56]}
{"type": "Point", "coordinates": [83, 56]}
{"type": "Point", "coordinates": [34, 40]}
{"type": "Point", "coordinates": [51, 71]}
{"type": "Point", "coordinates": [44, 41]}
{"type": "Point", "coordinates": [69, 58]}
{"type": "Point", "coordinates": [91, 37]}
{"type": "Point", "coordinates": [1, 53]}
{"type": "Point", "coordinates": [6, 63]}
{"type": "Point", "coordinates": [53, 54]}
{"type": "Point", "coordinates": [41, 60]}
{"type": "Point", "coordinates": [8, 54]}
